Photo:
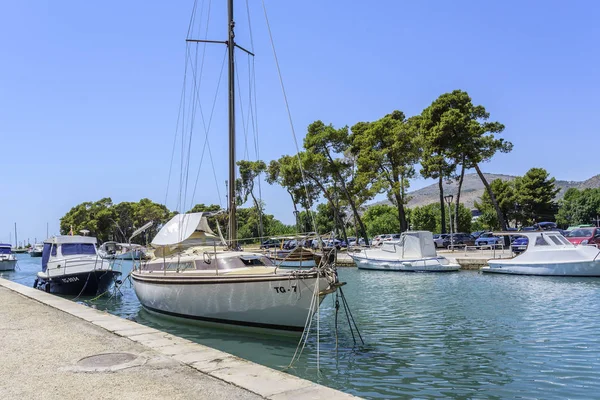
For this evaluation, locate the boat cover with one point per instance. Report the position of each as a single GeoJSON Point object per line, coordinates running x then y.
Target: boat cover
{"type": "Point", "coordinates": [412, 245]}
{"type": "Point", "coordinates": [181, 228]}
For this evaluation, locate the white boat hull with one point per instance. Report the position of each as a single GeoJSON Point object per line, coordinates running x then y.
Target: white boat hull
{"type": "Point", "coordinates": [8, 265]}
{"type": "Point", "coordinates": [582, 268]}
{"type": "Point", "coordinates": [275, 302]}
{"type": "Point", "coordinates": [438, 264]}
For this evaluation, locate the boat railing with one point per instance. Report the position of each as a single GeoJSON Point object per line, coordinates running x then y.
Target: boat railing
{"type": "Point", "coordinates": [487, 247]}
{"type": "Point", "coordinates": [65, 264]}
{"type": "Point", "coordinates": [457, 246]}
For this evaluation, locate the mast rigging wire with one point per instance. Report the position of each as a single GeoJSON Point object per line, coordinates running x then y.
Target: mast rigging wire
{"type": "Point", "coordinates": [287, 107]}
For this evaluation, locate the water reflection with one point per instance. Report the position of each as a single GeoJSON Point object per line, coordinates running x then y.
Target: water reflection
{"type": "Point", "coordinates": [462, 335]}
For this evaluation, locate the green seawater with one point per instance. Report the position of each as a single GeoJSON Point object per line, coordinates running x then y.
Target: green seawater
{"type": "Point", "coordinates": [453, 335]}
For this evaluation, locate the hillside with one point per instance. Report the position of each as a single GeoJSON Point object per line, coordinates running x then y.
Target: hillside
{"type": "Point", "coordinates": [473, 189]}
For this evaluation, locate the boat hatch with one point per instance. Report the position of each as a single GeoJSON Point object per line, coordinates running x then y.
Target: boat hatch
{"type": "Point", "coordinates": [255, 260]}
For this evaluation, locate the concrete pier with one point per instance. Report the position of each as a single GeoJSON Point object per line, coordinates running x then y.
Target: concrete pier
{"type": "Point", "coordinates": [53, 348]}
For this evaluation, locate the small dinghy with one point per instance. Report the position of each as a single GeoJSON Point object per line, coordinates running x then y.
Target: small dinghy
{"type": "Point", "coordinates": [414, 252]}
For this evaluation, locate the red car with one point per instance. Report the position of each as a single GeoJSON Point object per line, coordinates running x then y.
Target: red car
{"type": "Point", "coordinates": [584, 236]}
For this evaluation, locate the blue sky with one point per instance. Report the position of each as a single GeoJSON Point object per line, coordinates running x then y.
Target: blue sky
{"type": "Point", "coordinates": [89, 91]}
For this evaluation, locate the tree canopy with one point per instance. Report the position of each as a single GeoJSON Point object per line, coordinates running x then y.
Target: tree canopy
{"type": "Point", "coordinates": [108, 221]}
{"type": "Point", "coordinates": [387, 151]}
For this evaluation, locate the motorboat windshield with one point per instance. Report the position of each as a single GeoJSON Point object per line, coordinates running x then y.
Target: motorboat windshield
{"type": "Point", "coordinates": [5, 249]}
{"type": "Point", "coordinates": [71, 249]}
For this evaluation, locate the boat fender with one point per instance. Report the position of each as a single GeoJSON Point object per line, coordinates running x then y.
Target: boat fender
{"type": "Point", "coordinates": [47, 287]}
{"type": "Point", "coordinates": [206, 257]}
{"type": "Point", "coordinates": [35, 283]}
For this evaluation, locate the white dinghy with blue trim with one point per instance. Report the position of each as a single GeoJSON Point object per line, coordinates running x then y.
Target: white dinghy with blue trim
{"type": "Point", "coordinates": [414, 252]}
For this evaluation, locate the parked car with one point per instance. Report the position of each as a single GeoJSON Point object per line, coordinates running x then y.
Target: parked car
{"type": "Point", "coordinates": [589, 236]}
{"type": "Point", "coordinates": [379, 239]}
{"type": "Point", "coordinates": [337, 243]}
{"type": "Point", "coordinates": [290, 244]}
{"type": "Point", "coordinates": [545, 226]}
{"type": "Point", "coordinates": [519, 245]}
{"type": "Point", "coordinates": [487, 239]}
{"type": "Point", "coordinates": [394, 237]}
{"type": "Point", "coordinates": [271, 244]}
{"type": "Point", "coordinates": [351, 241]}
{"type": "Point", "coordinates": [461, 239]}
{"type": "Point", "coordinates": [476, 234]}
{"type": "Point", "coordinates": [441, 240]}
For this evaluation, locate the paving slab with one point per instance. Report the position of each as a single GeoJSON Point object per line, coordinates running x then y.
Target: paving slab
{"type": "Point", "coordinates": [314, 392]}
{"type": "Point", "coordinates": [260, 379]}
{"type": "Point", "coordinates": [136, 331]}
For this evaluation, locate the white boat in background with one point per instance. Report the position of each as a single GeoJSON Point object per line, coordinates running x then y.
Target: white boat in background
{"type": "Point", "coordinates": [122, 251]}
{"type": "Point", "coordinates": [8, 261]}
{"type": "Point", "coordinates": [71, 265]}
{"type": "Point", "coordinates": [550, 254]}
{"type": "Point", "coordinates": [36, 250]}
{"type": "Point", "coordinates": [414, 252]}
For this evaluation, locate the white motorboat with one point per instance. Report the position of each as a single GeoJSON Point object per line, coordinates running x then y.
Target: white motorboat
{"type": "Point", "coordinates": [414, 252]}
{"type": "Point", "coordinates": [71, 265]}
{"type": "Point", "coordinates": [189, 278]}
{"type": "Point", "coordinates": [36, 250]}
{"type": "Point", "coordinates": [8, 261]}
{"type": "Point", "coordinates": [549, 253]}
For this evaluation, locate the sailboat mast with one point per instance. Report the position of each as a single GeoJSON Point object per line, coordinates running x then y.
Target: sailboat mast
{"type": "Point", "coordinates": [231, 197]}
{"type": "Point", "coordinates": [16, 240]}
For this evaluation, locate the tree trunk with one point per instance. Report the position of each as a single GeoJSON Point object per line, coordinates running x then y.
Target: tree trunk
{"type": "Point", "coordinates": [339, 222]}
{"type": "Point", "coordinates": [350, 200]}
{"type": "Point", "coordinates": [259, 211]}
{"type": "Point", "coordinates": [363, 231]}
{"type": "Point", "coordinates": [401, 212]}
{"type": "Point", "coordinates": [460, 182]}
{"type": "Point", "coordinates": [442, 208]}
{"type": "Point", "coordinates": [295, 210]}
{"type": "Point", "coordinates": [329, 199]}
{"type": "Point", "coordinates": [400, 205]}
{"type": "Point", "coordinates": [499, 213]}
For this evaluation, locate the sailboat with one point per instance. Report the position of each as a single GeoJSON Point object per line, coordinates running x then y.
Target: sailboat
{"type": "Point", "coordinates": [188, 277]}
